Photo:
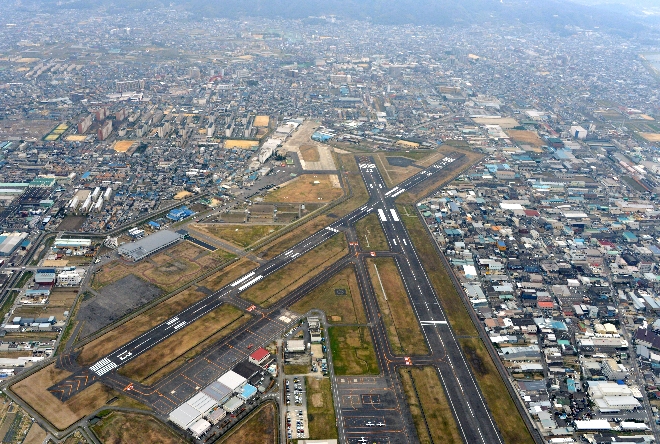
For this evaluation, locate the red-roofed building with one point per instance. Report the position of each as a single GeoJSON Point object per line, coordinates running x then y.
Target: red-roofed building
{"type": "Point", "coordinates": [532, 213]}
{"type": "Point", "coordinates": [259, 356]}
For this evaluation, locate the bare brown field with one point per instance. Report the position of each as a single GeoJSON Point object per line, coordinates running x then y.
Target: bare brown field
{"type": "Point", "coordinates": [370, 234]}
{"type": "Point", "coordinates": [33, 390]}
{"type": "Point", "coordinates": [124, 427]}
{"type": "Point", "coordinates": [259, 427]}
{"type": "Point", "coordinates": [526, 137]}
{"type": "Point", "coordinates": [278, 284]}
{"type": "Point", "coordinates": [304, 189]}
{"type": "Point", "coordinates": [651, 137]}
{"type": "Point", "coordinates": [309, 153]}
{"type": "Point", "coordinates": [338, 308]}
{"type": "Point", "coordinates": [228, 274]}
{"type": "Point", "coordinates": [403, 330]}
{"type": "Point", "coordinates": [180, 343]}
{"type": "Point", "coordinates": [168, 269]}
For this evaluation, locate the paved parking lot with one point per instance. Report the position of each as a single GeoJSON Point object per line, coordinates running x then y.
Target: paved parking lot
{"type": "Point", "coordinates": [296, 407]}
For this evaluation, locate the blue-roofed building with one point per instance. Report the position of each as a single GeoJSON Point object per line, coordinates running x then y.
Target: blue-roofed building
{"type": "Point", "coordinates": [154, 224]}
{"type": "Point", "coordinates": [247, 392]}
{"type": "Point", "coordinates": [178, 214]}
{"type": "Point", "coordinates": [85, 175]}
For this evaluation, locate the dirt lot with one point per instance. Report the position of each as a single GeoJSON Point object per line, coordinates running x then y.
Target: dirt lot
{"type": "Point", "coordinates": [168, 270]}
{"type": "Point", "coordinates": [242, 235]}
{"type": "Point", "coordinates": [346, 308]}
{"type": "Point", "coordinates": [71, 223]}
{"type": "Point", "coordinates": [179, 343]}
{"type": "Point", "coordinates": [123, 427]}
{"type": "Point", "coordinates": [403, 331]}
{"type": "Point", "coordinates": [36, 435]}
{"type": "Point", "coordinates": [154, 316]}
{"type": "Point", "coordinates": [280, 283]}
{"type": "Point", "coordinates": [526, 137]}
{"type": "Point", "coordinates": [25, 129]}
{"type": "Point", "coordinates": [304, 189]}
{"type": "Point", "coordinates": [258, 428]}
{"type": "Point", "coordinates": [61, 300]}
{"type": "Point", "coordinates": [115, 301]}
{"type": "Point", "coordinates": [309, 153]}
{"type": "Point", "coordinates": [651, 137]}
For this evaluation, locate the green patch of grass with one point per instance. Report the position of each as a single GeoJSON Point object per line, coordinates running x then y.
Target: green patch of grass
{"type": "Point", "coordinates": [320, 409]}
{"type": "Point", "coordinates": [352, 351]}
{"type": "Point", "coordinates": [24, 279]}
{"type": "Point", "coordinates": [9, 302]}
{"type": "Point", "coordinates": [297, 369]}
{"type": "Point", "coordinates": [370, 234]}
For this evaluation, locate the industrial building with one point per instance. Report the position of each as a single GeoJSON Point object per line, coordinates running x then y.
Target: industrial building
{"type": "Point", "coordinates": [69, 278]}
{"type": "Point", "coordinates": [142, 248]}
{"type": "Point", "coordinates": [259, 356]}
{"type": "Point", "coordinates": [72, 244]}
{"type": "Point", "coordinates": [9, 242]}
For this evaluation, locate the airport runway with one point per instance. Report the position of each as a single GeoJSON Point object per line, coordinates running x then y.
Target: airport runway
{"type": "Point", "coordinates": [474, 419]}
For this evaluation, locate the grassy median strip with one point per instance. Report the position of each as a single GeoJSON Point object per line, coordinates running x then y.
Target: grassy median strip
{"type": "Point", "coordinates": [279, 284]}
{"type": "Point", "coordinates": [429, 405]}
{"type": "Point", "coordinates": [403, 330]}
{"type": "Point", "coordinates": [183, 343]}
{"type": "Point", "coordinates": [371, 235]}
{"type": "Point", "coordinates": [258, 428]}
{"type": "Point", "coordinates": [320, 409]}
{"type": "Point", "coordinates": [497, 397]}
{"type": "Point", "coordinates": [242, 235]}
{"type": "Point", "coordinates": [160, 313]}
{"type": "Point", "coordinates": [344, 307]}
{"type": "Point", "coordinates": [352, 351]}
{"type": "Point", "coordinates": [507, 418]}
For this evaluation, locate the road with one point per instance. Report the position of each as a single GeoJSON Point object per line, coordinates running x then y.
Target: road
{"type": "Point", "coordinates": [384, 392]}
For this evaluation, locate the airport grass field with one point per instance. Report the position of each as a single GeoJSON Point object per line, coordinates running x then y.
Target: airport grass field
{"type": "Point", "coordinates": [346, 308]}
{"type": "Point", "coordinates": [370, 234]}
{"type": "Point", "coordinates": [260, 427]}
{"type": "Point", "coordinates": [183, 342]}
{"type": "Point", "coordinates": [352, 351]}
{"type": "Point", "coordinates": [168, 270]}
{"type": "Point", "coordinates": [429, 406]}
{"type": "Point", "coordinates": [403, 330]}
{"type": "Point", "coordinates": [279, 284]}
{"type": "Point", "coordinates": [125, 427]}
{"type": "Point", "coordinates": [307, 188]}
{"type": "Point", "coordinates": [124, 333]}
{"type": "Point", "coordinates": [320, 409]}
{"type": "Point", "coordinates": [241, 235]}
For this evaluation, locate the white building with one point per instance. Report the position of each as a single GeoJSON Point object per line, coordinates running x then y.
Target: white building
{"type": "Point", "coordinates": [612, 397]}
{"type": "Point", "coordinates": [612, 370]}
{"type": "Point", "coordinates": [69, 278]}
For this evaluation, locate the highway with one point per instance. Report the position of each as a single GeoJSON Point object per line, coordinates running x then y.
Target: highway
{"type": "Point", "coordinates": [470, 411]}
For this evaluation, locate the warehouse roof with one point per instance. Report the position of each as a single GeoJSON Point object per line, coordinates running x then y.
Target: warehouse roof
{"type": "Point", "coordinates": [232, 380]}
{"type": "Point", "coordinates": [201, 402]}
{"type": "Point", "coordinates": [148, 245]}
{"type": "Point", "coordinates": [218, 391]}
{"type": "Point", "coordinates": [184, 416]}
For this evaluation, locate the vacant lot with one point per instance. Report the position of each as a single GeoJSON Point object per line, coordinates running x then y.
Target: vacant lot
{"type": "Point", "coordinates": [280, 283]}
{"type": "Point", "coordinates": [346, 307]}
{"type": "Point", "coordinates": [163, 311]}
{"type": "Point", "coordinates": [115, 301]}
{"type": "Point", "coordinates": [168, 270]}
{"type": "Point", "coordinates": [503, 122]}
{"type": "Point", "coordinates": [124, 427]}
{"type": "Point", "coordinates": [370, 234]}
{"type": "Point", "coordinates": [180, 343]}
{"type": "Point", "coordinates": [242, 235]}
{"type": "Point", "coordinates": [352, 351]}
{"type": "Point", "coordinates": [309, 153]}
{"type": "Point", "coordinates": [308, 188]}
{"type": "Point", "coordinates": [33, 390]}
{"type": "Point", "coordinates": [526, 137]}
{"type": "Point", "coordinates": [258, 428]}
{"type": "Point", "coordinates": [497, 397]}
{"type": "Point", "coordinates": [651, 137]}
{"type": "Point", "coordinates": [403, 330]}
{"type": "Point", "coordinates": [71, 223]}
{"type": "Point", "coordinates": [429, 405]}
{"type": "Point", "coordinates": [61, 300]}
{"type": "Point", "coordinates": [320, 409]}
